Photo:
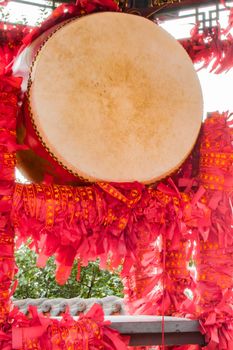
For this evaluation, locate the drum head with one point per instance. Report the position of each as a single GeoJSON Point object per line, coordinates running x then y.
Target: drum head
{"type": "Point", "coordinates": [114, 97]}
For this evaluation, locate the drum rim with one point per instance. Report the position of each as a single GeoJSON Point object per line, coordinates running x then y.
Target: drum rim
{"type": "Point", "coordinates": [28, 95]}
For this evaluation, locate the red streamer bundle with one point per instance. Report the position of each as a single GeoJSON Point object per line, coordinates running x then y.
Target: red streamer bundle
{"type": "Point", "coordinates": [213, 293]}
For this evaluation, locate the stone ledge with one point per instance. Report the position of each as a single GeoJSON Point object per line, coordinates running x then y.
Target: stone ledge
{"type": "Point", "coordinates": [111, 305]}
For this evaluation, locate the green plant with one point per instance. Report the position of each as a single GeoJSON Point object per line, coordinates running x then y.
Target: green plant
{"type": "Point", "coordinates": [40, 283]}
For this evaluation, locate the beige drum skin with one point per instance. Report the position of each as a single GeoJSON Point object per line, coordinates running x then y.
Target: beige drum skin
{"type": "Point", "coordinates": [113, 97]}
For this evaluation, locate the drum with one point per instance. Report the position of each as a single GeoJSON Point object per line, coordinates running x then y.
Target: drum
{"type": "Point", "coordinates": [110, 97]}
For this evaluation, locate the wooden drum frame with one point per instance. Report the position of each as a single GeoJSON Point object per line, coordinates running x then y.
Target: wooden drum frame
{"type": "Point", "coordinates": [110, 97]}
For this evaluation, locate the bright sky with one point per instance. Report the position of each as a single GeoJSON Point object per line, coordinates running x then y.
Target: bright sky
{"type": "Point", "coordinates": [216, 88]}
{"type": "Point", "coordinates": [217, 91]}
{"type": "Point", "coordinates": [19, 12]}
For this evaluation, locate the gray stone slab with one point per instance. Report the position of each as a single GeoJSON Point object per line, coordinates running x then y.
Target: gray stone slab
{"type": "Point", "coordinates": [152, 324]}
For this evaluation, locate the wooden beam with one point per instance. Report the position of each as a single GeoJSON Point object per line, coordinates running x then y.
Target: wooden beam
{"type": "Point", "coordinates": [160, 7]}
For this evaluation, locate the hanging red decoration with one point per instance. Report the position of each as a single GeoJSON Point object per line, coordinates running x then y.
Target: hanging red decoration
{"type": "Point", "coordinates": [210, 50]}
{"type": "Point", "coordinates": [153, 231]}
{"type": "Point", "coordinates": [213, 293]}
